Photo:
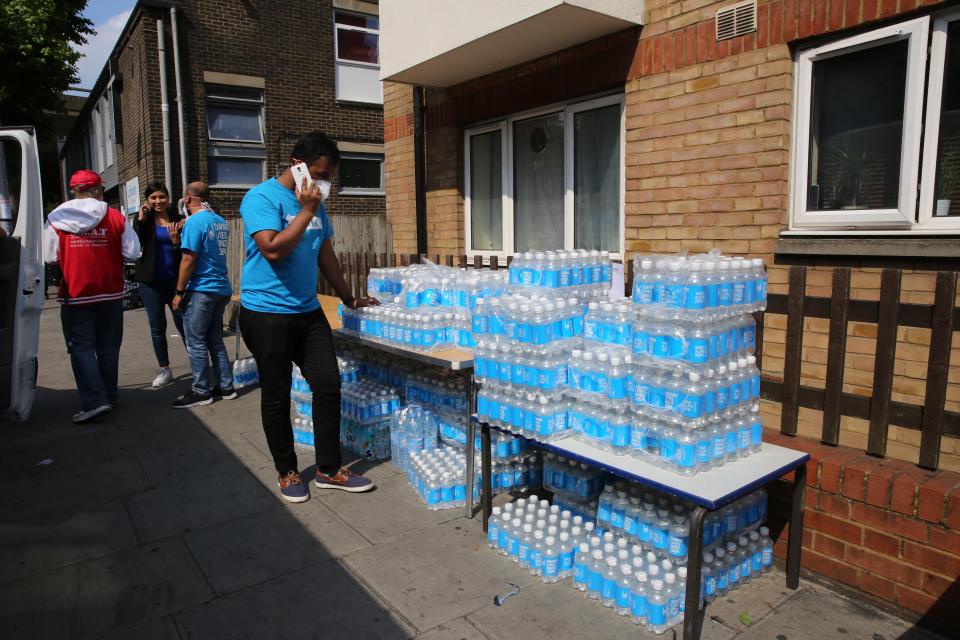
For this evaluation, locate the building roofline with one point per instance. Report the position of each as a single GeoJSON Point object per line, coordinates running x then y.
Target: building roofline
{"type": "Point", "coordinates": [104, 77]}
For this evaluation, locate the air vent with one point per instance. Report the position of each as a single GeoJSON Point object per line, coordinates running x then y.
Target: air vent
{"type": "Point", "coordinates": [736, 20]}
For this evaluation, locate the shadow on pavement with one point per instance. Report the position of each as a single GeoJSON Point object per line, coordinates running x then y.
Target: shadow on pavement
{"type": "Point", "coordinates": [146, 522]}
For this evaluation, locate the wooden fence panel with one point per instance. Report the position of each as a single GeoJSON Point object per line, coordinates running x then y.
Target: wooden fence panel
{"type": "Point", "coordinates": [889, 314]}
{"type": "Point", "coordinates": [836, 355]}
{"type": "Point", "coordinates": [938, 368]}
{"type": "Point", "coordinates": [789, 411]}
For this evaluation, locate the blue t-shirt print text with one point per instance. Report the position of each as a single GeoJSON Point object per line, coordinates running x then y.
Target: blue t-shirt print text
{"type": "Point", "coordinates": [288, 285]}
{"type": "Point", "coordinates": [206, 234]}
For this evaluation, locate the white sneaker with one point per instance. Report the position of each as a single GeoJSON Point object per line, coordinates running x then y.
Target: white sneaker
{"type": "Point", "coordinates": [163, 378]}
{"type": "Point", "coordinates": [85, 416]}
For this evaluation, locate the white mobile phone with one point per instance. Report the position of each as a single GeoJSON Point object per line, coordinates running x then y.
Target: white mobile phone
{"type": "Point", "coordinates": [300, 172]}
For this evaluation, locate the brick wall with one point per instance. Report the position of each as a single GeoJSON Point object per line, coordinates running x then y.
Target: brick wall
{"type": "Point", "coordinates": [256, 38]}
{"type": "Point", "coordinates": [249, 38]}
{"type": "Point", "coordinates": [707, 157]}
{"type": "Point", "coordinates": [883, 526]}
{"type": "Point", "coordinates": [401, 186]}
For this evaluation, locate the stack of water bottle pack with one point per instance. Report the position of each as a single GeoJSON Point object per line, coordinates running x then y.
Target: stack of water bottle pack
{"type": "Point", "coordinates": [426, 307]}
{"type": "Point", "coordinates": [575, 486]}
{"type": "Point", "coordinates": [633, 560]}
{"type": "Point", "coordinates": [583, 273]}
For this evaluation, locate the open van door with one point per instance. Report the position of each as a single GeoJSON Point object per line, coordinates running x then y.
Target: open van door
{"type": "Point", "coordinates": [21, 276]}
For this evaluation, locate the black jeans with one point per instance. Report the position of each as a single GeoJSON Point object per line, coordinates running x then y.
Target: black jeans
{"type": "Point", "coordinates": [277, 340]}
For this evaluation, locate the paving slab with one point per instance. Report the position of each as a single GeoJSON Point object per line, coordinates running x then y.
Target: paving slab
{"type": "Point", "coordinates": [752, 602]}
{"type": "Point", "coordinates": [70, 489]}
{"type": "Point", "coordinates": [95, 597]}
{"type": "Point", "coordinates": [56, 450]}
{"type": "Point", "coordinates": [458, 629]}
{"type": "Point", "coordinates": [52, 539]}
{"type": "Point", "coordinates": [559, 611]}
{"type": "Point", "coordinates": [153, 433]}
{"type": "Point", "coordinates": [196, 501]}
{"type": "Point", "coordinates": [392, 509]}
{"type": "Point", "coordinates": [158, 629]}
{"type": "Point", "coordinates": [437, 574]}
{"type": "Point", "coordinates": [186, 462]}
{"type": "Point", "coordinates": [322, 601]}
{"type": "Point", "coordinates": [820, 613]}
{"type": "Point", "coordinates": [273, 543]}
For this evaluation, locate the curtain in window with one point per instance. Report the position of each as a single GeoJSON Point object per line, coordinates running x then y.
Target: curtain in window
{"type": "Point", "coordinates": [486, 187]}
{"type": "Point", "coordinates": [596, 179]}
{"type": "Point", "coordinates": [538, 183]}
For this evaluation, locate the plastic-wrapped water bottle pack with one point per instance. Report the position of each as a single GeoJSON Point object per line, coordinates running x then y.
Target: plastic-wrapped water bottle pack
{"type": "Point", "coordinates": [633, 561]}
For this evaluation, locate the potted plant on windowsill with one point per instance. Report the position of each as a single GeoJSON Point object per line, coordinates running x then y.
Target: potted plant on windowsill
{"type": "Point", "coordinates": [850, 157]}
{"type": "Point", "coordinates": [946, 182]}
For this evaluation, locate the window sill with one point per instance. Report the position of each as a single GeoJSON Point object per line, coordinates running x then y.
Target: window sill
{"type": "Point", "coordinates": [869, 251]}
{"type": "Point", "coordinates": [372, 194]}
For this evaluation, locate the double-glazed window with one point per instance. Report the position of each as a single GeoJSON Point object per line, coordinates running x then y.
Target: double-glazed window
{"type": "Point", "coordinates": [235, 151]}
{"type": "Point", "coordinates": [547, 180]}
{"type": "Point", "coordinates": [357, 54]}
{"type": "Point", "coordinates": [877, 131]}
{"type": "Point", "coordinates": [361, 174]}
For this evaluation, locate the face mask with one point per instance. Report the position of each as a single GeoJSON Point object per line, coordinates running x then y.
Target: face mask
{"type": "Point", "coordinates": [324, 187]}
{"type": "Point", "coordinates": [183, 210]}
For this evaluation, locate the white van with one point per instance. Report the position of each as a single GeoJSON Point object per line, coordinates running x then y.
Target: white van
{"type": "Point", "coordinates": [21, 275]}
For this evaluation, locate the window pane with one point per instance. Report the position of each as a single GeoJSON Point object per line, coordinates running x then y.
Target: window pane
{"type": "Point", "coordinates": [856, 127]}
{"type": "Point", "coordinates": [948, 148]}
{"type": "Point", "coordinates": [357, 46]}
{"type": "Point", "coordinates": [234, 123]}
{"type": "Point", "coordinates": [486, 192]}
{"type": "Point", "coordinates": [538, 183]}
{"type": "Point", "coordinates": [596, 179]}
{"type": "Point", "coordinates": [354, 20]}
{"type": "Point", "coordinates": [360, 173]}
{"type": "Point", "coordinates": [235, 171]}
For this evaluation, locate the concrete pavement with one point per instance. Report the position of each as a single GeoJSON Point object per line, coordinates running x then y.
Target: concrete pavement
{"type": "Point", "coordinates": [155, 523]}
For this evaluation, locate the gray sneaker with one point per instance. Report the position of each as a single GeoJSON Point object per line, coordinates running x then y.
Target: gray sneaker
{"type": "Point", "coordinates": [86, 416]}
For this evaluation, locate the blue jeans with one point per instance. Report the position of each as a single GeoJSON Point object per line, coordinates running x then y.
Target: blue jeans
{"type": "Point", "coordinates": [93, 333]}
{"type": "Point", "coordinates": [156, 297]}
{"type": "Point", "coordinates": [203, 325]}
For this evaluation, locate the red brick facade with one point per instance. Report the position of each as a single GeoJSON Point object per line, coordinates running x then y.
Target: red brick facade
{"type": "Point", "coordinates": [253, 39]}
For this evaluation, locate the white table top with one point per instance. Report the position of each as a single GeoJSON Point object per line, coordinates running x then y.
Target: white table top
{"type": "Point", "coordinates": [711, 489]}
{"type": "Point", "coordinates": [453, 359]}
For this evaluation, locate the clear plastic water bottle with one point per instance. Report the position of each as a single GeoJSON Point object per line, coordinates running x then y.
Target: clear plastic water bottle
{"type": "Point", "coordinates": [624, 593]}
{"type": "Point", "coordinates": [638, 602]}
{"type": "Point", "coordinates": [709, 578]}
{"type": "Point", "coordinates": [581, 566]}
{"type": "Point", "coordinates": [766, 549]}
{"type": "Point", "coordinates": [657, 600]}
{"type": "Point", "coordinates": [611, 579]}
{"type": "Point", "coordinates": [595, 572]}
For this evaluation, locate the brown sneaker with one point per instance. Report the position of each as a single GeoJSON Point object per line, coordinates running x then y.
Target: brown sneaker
{"type": "Point", "coordinates": [292, 488]}
{"type": "Point", "coordinates": [345, 480]}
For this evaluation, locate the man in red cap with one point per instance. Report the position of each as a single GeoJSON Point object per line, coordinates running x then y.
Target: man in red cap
{"type": "Point", "coordinates": [91, 241]}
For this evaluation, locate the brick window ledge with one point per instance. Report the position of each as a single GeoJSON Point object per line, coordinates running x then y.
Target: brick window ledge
{"type": "Point", "coordinates": [926, 253]}
{"type": "Point", "coordinates": [883, 526]}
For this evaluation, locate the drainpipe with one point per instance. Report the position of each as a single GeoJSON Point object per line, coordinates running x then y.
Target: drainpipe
{"type": "Point", "coordinates": [419, 170]}
{"type": "Point", "coordinates": [176, 74]}
{"type": "Point", "coordinates": [164, 103]}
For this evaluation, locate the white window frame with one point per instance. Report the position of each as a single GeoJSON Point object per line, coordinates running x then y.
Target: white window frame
{"type": "Point", "coordinates": [355, 191]}
{"type": "Point", "coordinates": [915, 32]}
{"type": "Point", "coordinates": [224, 147]}
{"type": "Point", "coordinates": [505, 126]}
{"type": "Point", "coordinates": [506, 185]}
{"type": "Point", "coordinates": [343, 63]}
{"type": "Point", "coordinates": [349, 27]}
{"type": "Point", "coordinates": [938, 57]}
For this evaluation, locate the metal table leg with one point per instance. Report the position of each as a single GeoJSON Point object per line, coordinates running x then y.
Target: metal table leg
{"type": "Point", "coordinates": [470, 445]}
{"type": "Point", "coordinates": [795, 541]}
{"type": "Point", "coordinates": [486, 474]}
{"type": "Point", "coordinates": [693, 614]}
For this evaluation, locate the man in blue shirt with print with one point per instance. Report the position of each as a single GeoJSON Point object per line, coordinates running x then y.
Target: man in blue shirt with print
{"type": "Point", "coordinates": [203, 291]}
{"type": "Point", "coordinates": [287, 237]}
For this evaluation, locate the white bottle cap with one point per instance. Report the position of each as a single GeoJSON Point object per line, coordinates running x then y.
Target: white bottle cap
{"type": "Point", "coordinates": [611, 562]}
{"type": "Point", "coordinates": [657, 585]}
{"type": "Point", "coordinates": [694, 377]}
{"type": "Point", "coordinates": [538, 534]}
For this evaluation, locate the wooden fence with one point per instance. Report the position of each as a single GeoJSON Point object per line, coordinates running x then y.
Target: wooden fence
{"type": "Point", "coordinates": [942, 318]}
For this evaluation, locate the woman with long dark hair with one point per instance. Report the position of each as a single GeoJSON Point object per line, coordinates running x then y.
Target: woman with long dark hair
{"type": "Point", "coordinates": [158, 227]}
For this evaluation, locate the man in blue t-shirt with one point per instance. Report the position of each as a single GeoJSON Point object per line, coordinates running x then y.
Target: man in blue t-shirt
{"type": "Point", "coordinates": [203, 291]}
{"type": "Point", "coordinates": [287, 237]}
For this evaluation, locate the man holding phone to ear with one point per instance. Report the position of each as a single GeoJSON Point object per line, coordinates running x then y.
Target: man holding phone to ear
{"type": "Point", "coordinates": [287, 239]}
